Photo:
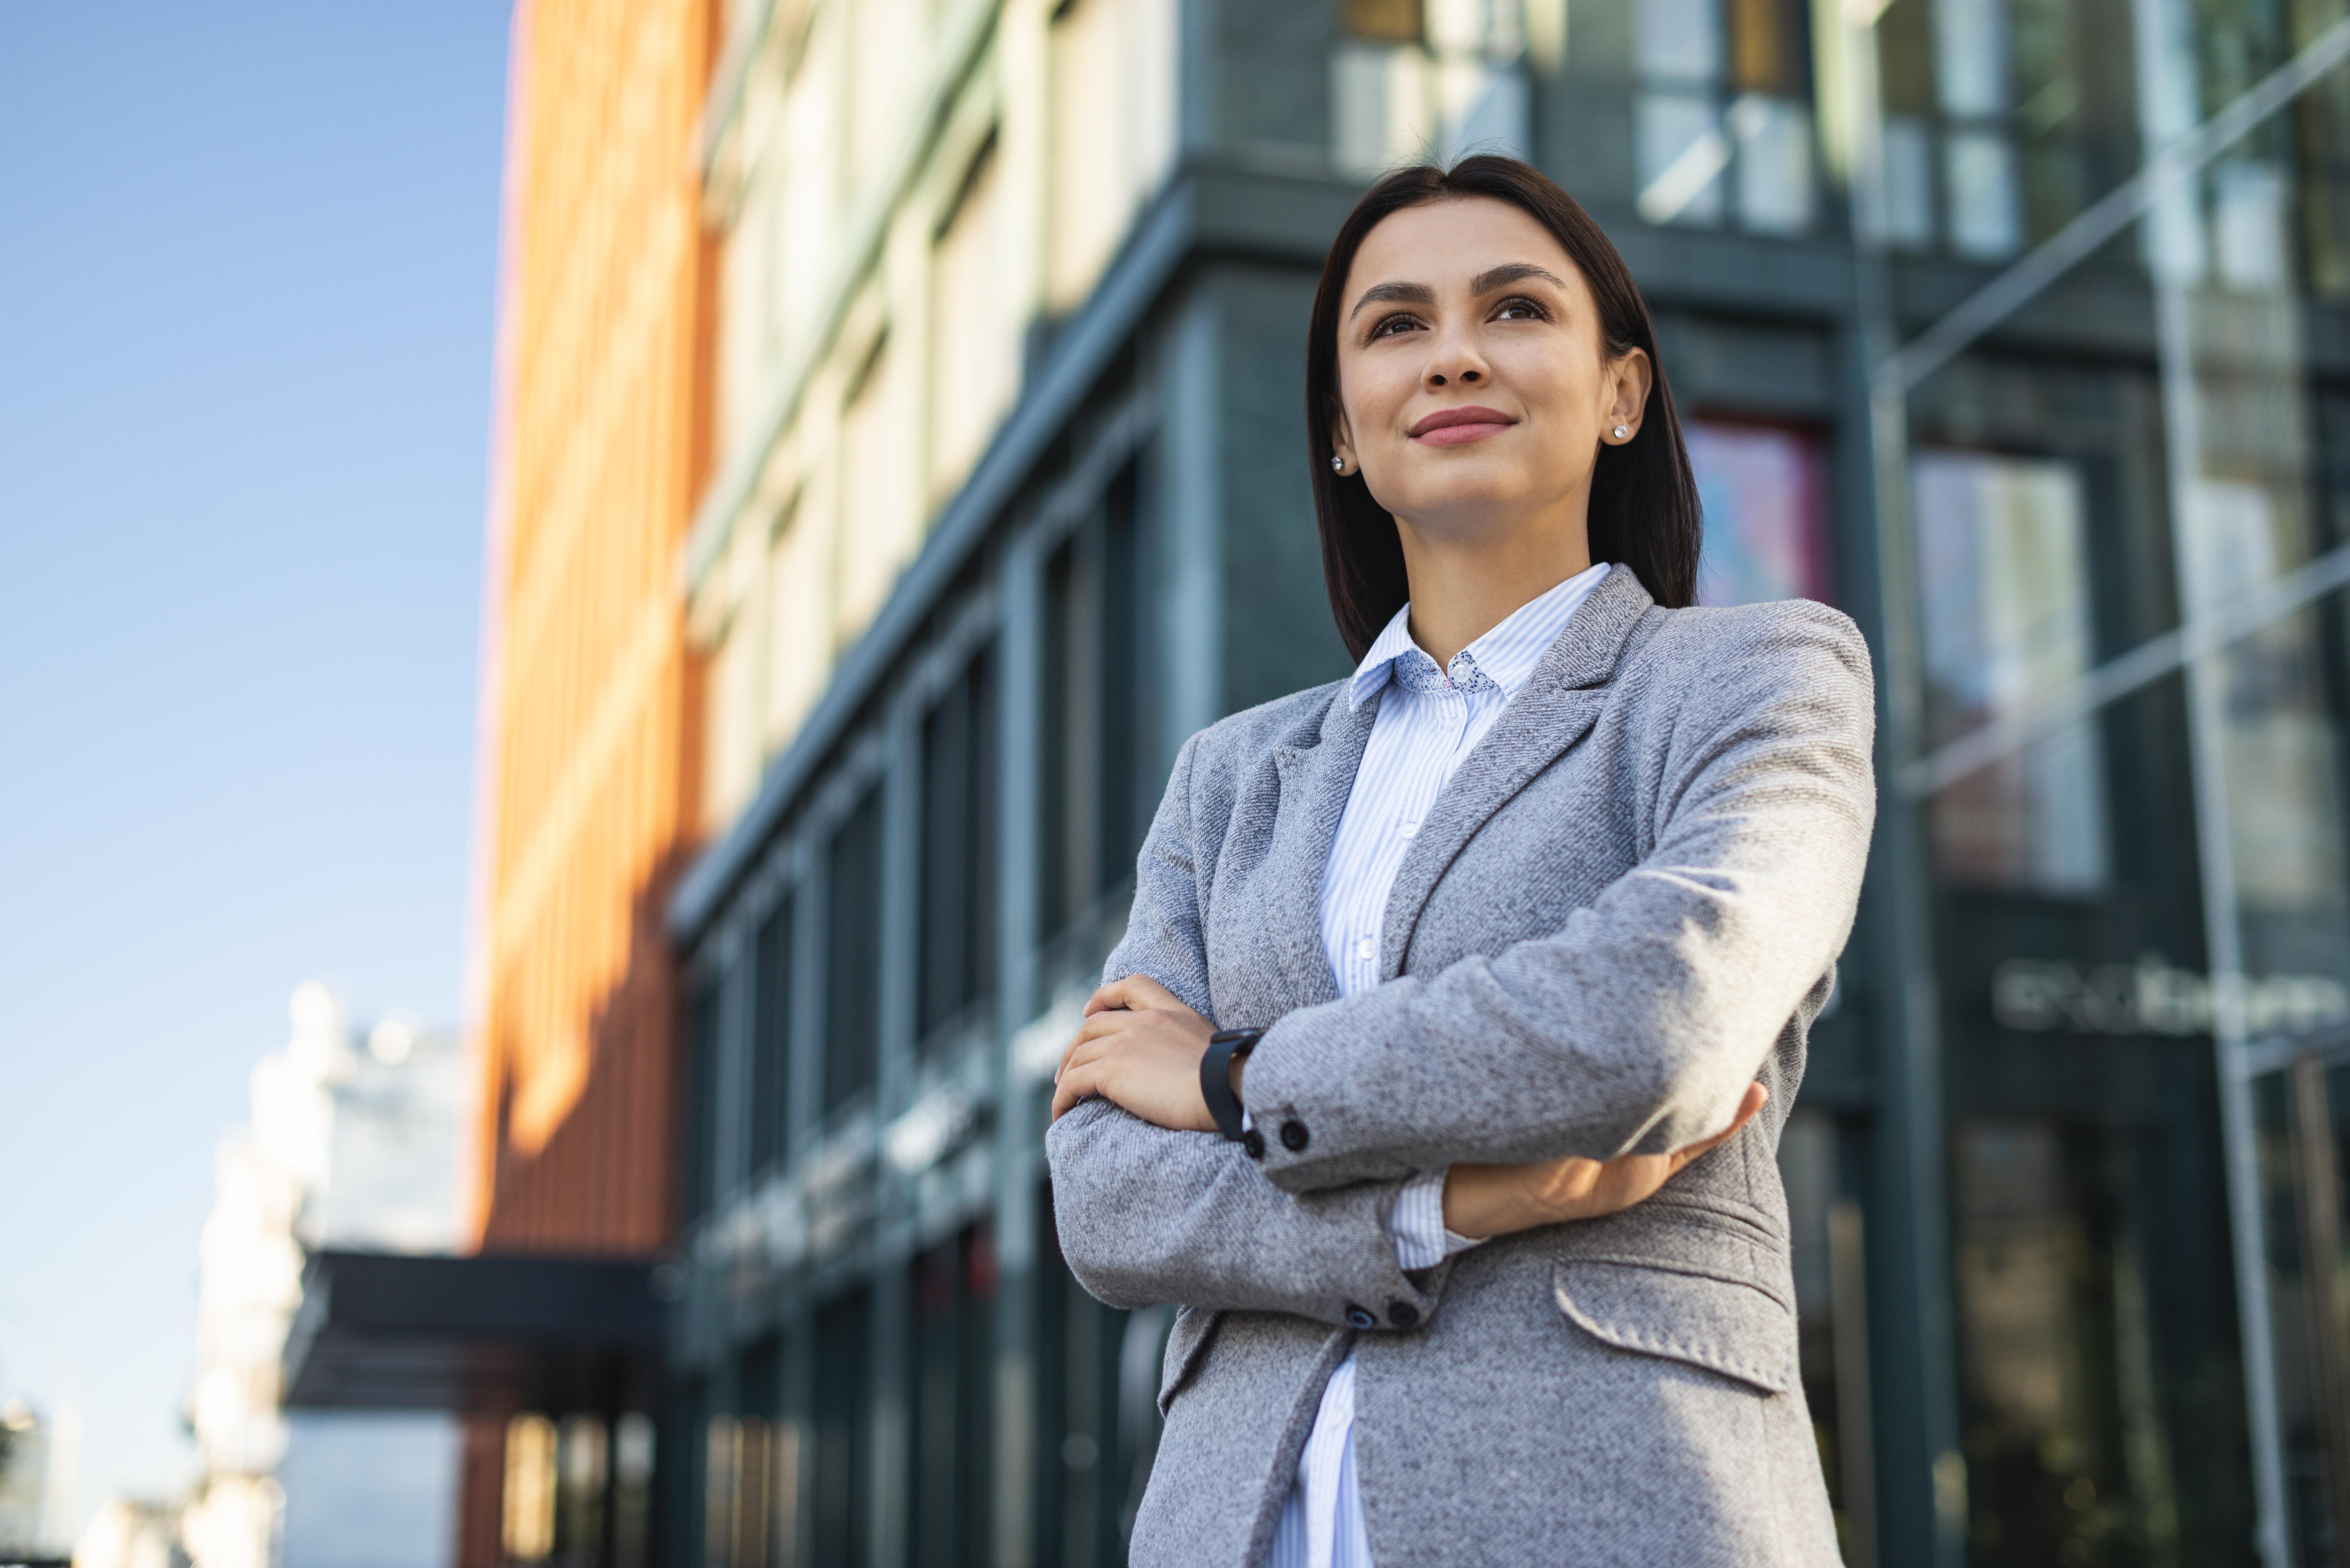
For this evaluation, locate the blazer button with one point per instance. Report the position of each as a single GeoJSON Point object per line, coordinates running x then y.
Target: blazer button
{"type": "Point", "coordinates": [1252, 1144]}
{"type": "Point", "coordinates": [1294, 1136]}
{"type": "Point", "coordinates": [1403, 1315]}
{"type": "Point", "coordinates": [1360, 1316]}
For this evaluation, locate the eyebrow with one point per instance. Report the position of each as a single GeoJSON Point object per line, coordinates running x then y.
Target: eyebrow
{"type": "Point", "coordinates": [1485, 282]}
{"type": "Point", "coordinates": [1513, 272]}
{"type": "Point", "coordinates": [1399, 293]}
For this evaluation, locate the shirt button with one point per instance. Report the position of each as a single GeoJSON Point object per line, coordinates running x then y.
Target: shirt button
{"type": "Point", "coordinates": [1403, 1315]}
{"type": "Point", "coordinates": [1366, 948]}
{"type": "Point", "coordinates": [1406, 830]}
{"type": "Point", "coordinates": [1294, 1136]}
{"type": "Point", "coordinates": [1361, 1317]}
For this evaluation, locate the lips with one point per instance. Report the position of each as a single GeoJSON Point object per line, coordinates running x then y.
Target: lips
{"type": "Point", "coordinates": [1451, 427]}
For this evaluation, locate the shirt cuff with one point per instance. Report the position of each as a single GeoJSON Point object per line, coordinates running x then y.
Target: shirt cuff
{"type": "Point", "coordinates": [1417, 1224]}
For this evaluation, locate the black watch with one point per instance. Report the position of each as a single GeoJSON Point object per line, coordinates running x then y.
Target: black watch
{"type": "Point", "coordinates": [1224, 1047]}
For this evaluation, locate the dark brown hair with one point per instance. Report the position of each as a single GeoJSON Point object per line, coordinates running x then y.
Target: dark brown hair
{"type": "Point", "coordinates": [1643, 507]}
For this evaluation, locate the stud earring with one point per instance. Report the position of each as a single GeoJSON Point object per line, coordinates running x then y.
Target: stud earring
{"type": "Point", "coordinates": [1337, 463]}
{"type": "Point", "coordinates": [1621, 432]}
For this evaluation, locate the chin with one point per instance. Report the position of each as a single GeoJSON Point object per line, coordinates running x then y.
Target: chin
{"type": "Point", "coordinates": [1463, 501]}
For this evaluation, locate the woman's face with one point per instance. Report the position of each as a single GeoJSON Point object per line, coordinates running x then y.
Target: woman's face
{"type": "Point", "coordinates": [1473, 383]}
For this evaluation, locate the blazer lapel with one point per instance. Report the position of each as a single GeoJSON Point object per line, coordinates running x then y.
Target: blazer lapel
{"type": "Point", "coordinates": [1316, 781]}
{"type": "Point", "coordinates": [1554, 709]}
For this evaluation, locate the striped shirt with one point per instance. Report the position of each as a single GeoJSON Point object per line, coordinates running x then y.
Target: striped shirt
{"type": "Point", "coordinates": [1427, 724]}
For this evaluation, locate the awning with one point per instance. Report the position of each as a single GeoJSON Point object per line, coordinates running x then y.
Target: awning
{"type": "Point", "coordinates": [380, 1331]}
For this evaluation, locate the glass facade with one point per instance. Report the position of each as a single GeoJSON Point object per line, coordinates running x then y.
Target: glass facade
{"type": "Point", "coordinates": [2122, 765]}
{"type": "Point", "coordinates": [2014, 328]}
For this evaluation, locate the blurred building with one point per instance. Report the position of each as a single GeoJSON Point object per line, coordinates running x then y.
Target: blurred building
{"type": "Point", "coordinates": [129, 1534]}
{"type": "Point", "coordinates": [352, 1146]}
{"type": "Point", "coordinates": [588, 790]}
{"type": "Point", "coordinates": [543, 1336]}
{"type": "Point", "coordinates": [929, 371]}
{"type": "Point", "coordinates": [36, 1477]}
{"type": "Point", "coordinates": [2016, 328]}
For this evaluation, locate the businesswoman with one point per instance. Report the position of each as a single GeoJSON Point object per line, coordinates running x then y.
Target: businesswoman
{"type": "Point", "coordinates": [1439, 1074]}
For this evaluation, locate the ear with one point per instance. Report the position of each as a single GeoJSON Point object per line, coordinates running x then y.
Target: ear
{"type": "Point", "coordinates": [1626, 390]}
{"type": "Point", "coordinates": [1342, 437]}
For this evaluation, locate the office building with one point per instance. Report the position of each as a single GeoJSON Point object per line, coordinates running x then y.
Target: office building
{"type": "Point", "coordinates": [588, 796]}
{"type": "Point", "coordinates": [352, 1147]}
{"type": "Point", "coordinates": [37, 1465]}
{"type": "Point", "coordinates": [543, 1336]}
{"type": "Point", "coordinates": [2014, 327]}
{"type": "Point", "coordinates": [130, 1532]}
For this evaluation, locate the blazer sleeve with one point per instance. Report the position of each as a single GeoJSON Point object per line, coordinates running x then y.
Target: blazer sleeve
{"type": "Point", "coordinates": [1148, 1215]}
{"type": "Point", "coordinates": [1636, 1027]}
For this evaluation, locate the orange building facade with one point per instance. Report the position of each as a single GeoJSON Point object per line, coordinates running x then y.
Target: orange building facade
{"type": "Point", "coordinates": [586, 796]}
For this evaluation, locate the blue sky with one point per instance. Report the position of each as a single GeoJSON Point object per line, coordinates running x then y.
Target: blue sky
{"type": "Point", "coordinates": [247, 270]}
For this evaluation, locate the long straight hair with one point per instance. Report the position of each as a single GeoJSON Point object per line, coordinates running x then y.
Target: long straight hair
{"type": "Point", "coordinates": [1644, 509]}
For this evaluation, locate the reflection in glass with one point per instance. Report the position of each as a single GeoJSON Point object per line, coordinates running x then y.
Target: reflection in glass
{"type": "Point", "coordinates": [2074, 1376]}
{"type": "Point", "coordinates": [2302, 1114]}
{"type": "Point", "coordinates": [1978, 172]}
{"type": "Point", "coordinates": [1824, 1247]}
{"type": "Point", "coordinates": [1762, 490]}
{"type": "Point", "coordinates": [1774, 163]}
{"type": "Point", "coordinates": [1438, 82]}
{"type": "Point", "coordinates": [1722, 125]}
{"type": "Point", "coordinates": [2003, 587]}
{"type": "Point", "coordinates": [1909, 182]}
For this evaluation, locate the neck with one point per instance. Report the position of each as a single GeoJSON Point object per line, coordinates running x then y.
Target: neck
{"type": "Point", "coordinates": [1465, 583]}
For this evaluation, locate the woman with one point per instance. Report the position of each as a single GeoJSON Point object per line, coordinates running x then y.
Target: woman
{"type": "Point", "coordinates": [1427, 1077]}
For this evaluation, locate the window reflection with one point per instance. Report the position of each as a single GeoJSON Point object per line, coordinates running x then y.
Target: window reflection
{"type": "Point", "coordinates": [1723, 123]}
{"type": "Point", "coordinates": [2067, 1447]}
{"type": "Point", "coordinates": [2004, 584]}
{"type": "Point", "coordinates": [1764, 491]}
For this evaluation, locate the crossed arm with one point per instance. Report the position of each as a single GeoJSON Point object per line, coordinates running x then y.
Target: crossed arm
{"type": "Point", "coordinates": [1139, 1049]}
{"type": "Point", "coordinates": [1561, 1078]}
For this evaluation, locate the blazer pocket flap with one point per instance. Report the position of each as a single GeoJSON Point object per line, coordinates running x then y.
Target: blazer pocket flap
{"type": "Point", "coordinates": [1737, 1330]}
{"type": "Point", "coordinates": [1186, 1345]}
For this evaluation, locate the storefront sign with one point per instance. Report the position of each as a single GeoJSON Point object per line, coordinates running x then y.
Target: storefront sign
{"type": "Point", "coordinates": [2151, 997]}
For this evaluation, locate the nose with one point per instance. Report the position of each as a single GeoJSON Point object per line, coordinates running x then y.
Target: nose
{"type": "Point", "coordinates": [1453, 358]}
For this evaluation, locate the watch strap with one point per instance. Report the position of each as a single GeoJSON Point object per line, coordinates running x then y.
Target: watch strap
{"type": "Point", "coordinates": [1224, 1047]}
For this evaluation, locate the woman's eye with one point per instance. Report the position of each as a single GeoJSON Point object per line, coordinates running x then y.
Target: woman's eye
{"type": "Point", "coordinates": [1394, 325]}
{"type": "Point", "coordinates": [1521, 310]}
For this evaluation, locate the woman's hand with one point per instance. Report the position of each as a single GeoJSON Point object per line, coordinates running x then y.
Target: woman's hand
{"type": "Point", "coordinates": [1139, 1048]}
{"type": "Point", "coordinates": [1482, 1201]}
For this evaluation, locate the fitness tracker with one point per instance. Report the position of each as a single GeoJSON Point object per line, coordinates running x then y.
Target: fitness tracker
{"type": "Point", "coordinates": [1224, 1047]}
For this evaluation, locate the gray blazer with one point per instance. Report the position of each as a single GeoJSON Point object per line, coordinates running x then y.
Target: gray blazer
{"type": "Point", "coordinates": [1627, 906]}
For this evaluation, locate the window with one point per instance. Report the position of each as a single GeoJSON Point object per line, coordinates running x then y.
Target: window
{"type": "Point", "coordinates": [1722, 120]}
{"type": "Point", "coordinates": [974, 332]}
{"type": "Point", "coordinates": [843, 1497]}
{"type": "Point", "coordinates": [770, 1037]}
{"type": "Point", "coordinates": [1817, 1167]}
{"type": "Point", "coordinates": [766, 1461]}
{"type": "Point", "coordinates": [1097, 1398]}
{"type": "Point", "coordinates": [2002, 568]}
{"type": "Point", "coordinates": [1093, 821]}
{"type": "Point", "coordinates": [1410, 82]}
{"type": "Point", "coordinates": [880, 521]}
{"type": "Point", "coordinates": [959, 812]}
{"type": "Point", "coordinates": [702, 1100]}
{"type": "Point", "coordinates": [1979, 172]}
{"type": "Point", "coordinates": [1764, 488]}
{"type": "Point", "coordinates": [852, 999]}
{"type": "Point", "coordinates": [952, 1359]}
{"type": "Point", "coordinates": [2085, 1357]}
{"type": "Point", "coordinates": [1113, 70]}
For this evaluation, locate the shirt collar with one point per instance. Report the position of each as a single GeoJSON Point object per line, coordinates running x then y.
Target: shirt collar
{"type": "Point", "coordinates": [1506, 654]}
